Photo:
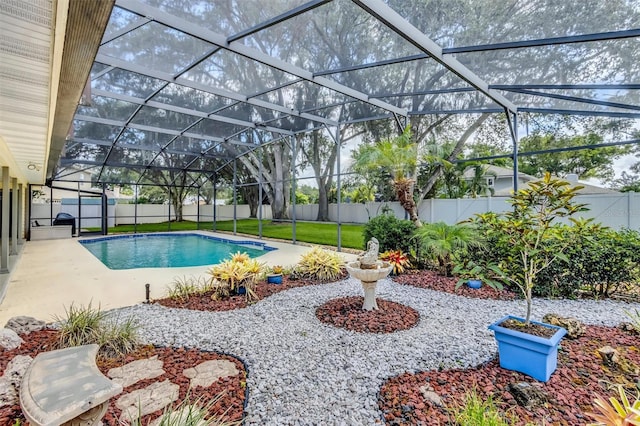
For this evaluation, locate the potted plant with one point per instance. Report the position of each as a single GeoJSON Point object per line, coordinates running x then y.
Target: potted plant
{"type": "Point", "coordinates": [237, 275]}
{"type": "Point", "coordinates": [475, 274]}
{"type": "Point", "coordinates": [530, 230]}
{"type": "Point", "coordinates": [275, 277]}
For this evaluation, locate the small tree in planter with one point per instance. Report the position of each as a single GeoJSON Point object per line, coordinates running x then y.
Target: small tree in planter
{"type": "Point", "coordinates": [531, 232]}
{"type": "Point", "coordinates": [534, 243]}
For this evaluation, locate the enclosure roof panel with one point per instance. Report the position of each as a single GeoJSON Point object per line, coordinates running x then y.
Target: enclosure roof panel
{"type": "Point", "coordinates": [185, 85]}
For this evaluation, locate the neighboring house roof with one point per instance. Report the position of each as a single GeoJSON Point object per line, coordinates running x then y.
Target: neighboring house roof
{"type": "Point", "coordinates": [587, 189]}
{"type": "Point", "coordinates": [497, 172]}
{"type": "Point", "coordinates": [504, 172]}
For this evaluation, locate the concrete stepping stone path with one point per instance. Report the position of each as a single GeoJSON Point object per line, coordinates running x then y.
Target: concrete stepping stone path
{"type": "Point", "coordinates": [145, 401]}
{"type": "Point", "coordinates": [133, 372]}
{"type": "Point", "coordinates": [208, 372]}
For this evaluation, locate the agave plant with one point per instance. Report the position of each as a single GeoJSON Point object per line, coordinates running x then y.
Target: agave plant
{"type": "Point", "coordinates": [612, 412]}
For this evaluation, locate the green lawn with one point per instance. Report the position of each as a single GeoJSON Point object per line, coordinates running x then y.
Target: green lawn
{"type": "Point", "coordinates": [308, 232]}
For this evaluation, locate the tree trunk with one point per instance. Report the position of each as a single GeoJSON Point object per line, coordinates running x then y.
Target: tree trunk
{"type": "Point", "coordinates": [281, 186]}
{"type": "Point", "coordinates": [177, 208]}
{"type": "Point", "coordinates": [275, 177]}
{"type": "Point", "coordinates": [404, 192]}
{"type": "Point", "coordinates": [321, 154]}
{"type": "Point", "coordinates": [251, 194]}
{"type": "Point", "coordinates": [528, 317]}
{"type": "Point", "coordinates": [323, 204]}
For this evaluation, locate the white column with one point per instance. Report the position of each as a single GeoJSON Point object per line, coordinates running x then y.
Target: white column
{"type": "Point", "coordinates": [14, 216]}
{"type": "Point", "coordinates": [4, 239]}
{"type": "Point", "coordinates": [21, 222]}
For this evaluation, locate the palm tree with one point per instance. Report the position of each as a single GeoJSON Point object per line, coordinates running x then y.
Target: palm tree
{"type": "Point", "coordinates": [398, 157]}
{"type": "Point", "coordinates": [478, 186]}
{"type": "Point", "coordinates": [439, 241]}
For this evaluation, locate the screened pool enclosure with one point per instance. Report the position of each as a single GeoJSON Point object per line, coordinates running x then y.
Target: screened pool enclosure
{"type": "Point", "coordinates": [194, 95]}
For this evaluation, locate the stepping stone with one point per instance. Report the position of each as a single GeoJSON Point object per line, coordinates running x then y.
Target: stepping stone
{"type": "Point", "coordinates": [135, 371]}
{"type": "Point", "coordinates": [145, 401]}
{"type": "Point", "coordinates": [204, 374]}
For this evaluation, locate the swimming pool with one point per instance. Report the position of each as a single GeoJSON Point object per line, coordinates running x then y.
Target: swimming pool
{"type": "Point", "coordinates": [167, 250]}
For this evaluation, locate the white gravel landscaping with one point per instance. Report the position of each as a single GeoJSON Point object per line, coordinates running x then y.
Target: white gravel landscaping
{"type": "Point", "coordinates": [303, 372]}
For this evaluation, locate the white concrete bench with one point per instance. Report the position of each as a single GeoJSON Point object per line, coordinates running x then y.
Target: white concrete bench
{"type": "Point", "coordinates": [50, 232]}
{"type": "Point", "coordinates": [65, 387]}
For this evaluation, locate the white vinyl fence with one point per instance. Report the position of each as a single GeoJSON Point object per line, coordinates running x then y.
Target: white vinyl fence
{"type": "Point", "coordinates": [614, 210]}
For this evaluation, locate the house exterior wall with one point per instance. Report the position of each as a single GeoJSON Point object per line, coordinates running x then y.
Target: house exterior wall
{"type": "Point", "coordinates": [503, 183]}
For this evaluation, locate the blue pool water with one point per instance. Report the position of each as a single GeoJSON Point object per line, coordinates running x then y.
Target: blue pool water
{"type": "Point", "coordinates": [167, 250]}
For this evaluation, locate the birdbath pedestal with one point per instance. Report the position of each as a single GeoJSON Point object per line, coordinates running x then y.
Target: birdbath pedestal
{"type": "Point", "coordinates": [369, 275]}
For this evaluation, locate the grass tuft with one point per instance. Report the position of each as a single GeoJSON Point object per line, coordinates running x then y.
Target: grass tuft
{"type": "Point", "coordinates": [87, 325]}
{"type": "Point", "coordinates": [475, 411]}
{"type": "Point", "coordinates": [192, 413]}
{"type": "Point", "coordinates": [181, 288]}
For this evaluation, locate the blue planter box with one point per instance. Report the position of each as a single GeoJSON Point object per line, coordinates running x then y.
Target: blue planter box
{"type": "Point", "coordinates": [532, 355]}
{"type": "Point", "coordinates": [274, 279]}
{"type": "Point", "coordinates": [476, 284]}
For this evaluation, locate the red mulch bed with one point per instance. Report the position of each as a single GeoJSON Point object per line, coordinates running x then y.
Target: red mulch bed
{"type": "Point", "coordinates": [175, 361]}
{"type": "Point", "coordinates": [570, 391]}
{"type": "Point", "coordinates": [433, 281]}
{"type": "Point", "coordinates": [347, 312]}
{"type": "Point", "coordinates": [204, 302]}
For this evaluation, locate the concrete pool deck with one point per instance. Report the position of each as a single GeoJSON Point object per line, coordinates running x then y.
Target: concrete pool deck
{"type": "Point", "coordinates": [51, 275]}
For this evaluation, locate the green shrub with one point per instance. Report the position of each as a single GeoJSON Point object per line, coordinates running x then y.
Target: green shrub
{"type": "Point", "coordinates": [118, 338]}
{"type": "Point", "coordinates": [392, 233]}
{"type": "Point", "coordinates": [496, 245]}
{"type": "Point", "coordinates": [599, 260]}
{"type": "Point", "coordinates": [86, 325]}
{"type": "Point", "coordinates": [320, 264]}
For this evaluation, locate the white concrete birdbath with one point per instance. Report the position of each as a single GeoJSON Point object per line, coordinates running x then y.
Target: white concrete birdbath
{"type": "Point", "coordinates": [369, 278]}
